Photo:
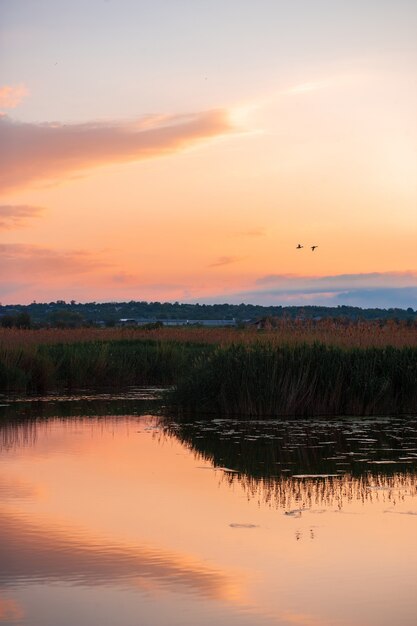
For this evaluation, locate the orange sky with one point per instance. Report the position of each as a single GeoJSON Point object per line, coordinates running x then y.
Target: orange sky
{"type": "Point", "coordinates": [115, 186]}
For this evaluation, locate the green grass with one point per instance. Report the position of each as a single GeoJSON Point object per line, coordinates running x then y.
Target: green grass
{"type": "Point", "coordinates": [95, 364]}
{"type": "Point", "coordinates": [302, 380]}
{"type": "Point", "coordinates": [258, 379]}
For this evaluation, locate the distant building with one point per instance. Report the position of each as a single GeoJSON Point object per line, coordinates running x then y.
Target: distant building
{"type": "Point", "coordinates": [216, 323]}
{"type": "Point", "coordinates": [175, 322]}
{"type": "Point", "coordinates": [127, 322]}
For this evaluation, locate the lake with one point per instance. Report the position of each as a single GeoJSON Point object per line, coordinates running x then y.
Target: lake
{"type": "Point", "coordinates": [112, 515]}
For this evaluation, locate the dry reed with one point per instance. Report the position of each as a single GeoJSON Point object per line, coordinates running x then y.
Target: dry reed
{"type": "Point", "coordinates": [362, 334]}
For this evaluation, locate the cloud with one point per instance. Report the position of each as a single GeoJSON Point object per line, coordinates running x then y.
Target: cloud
{"type": "Point", "coordinates": [305, 87]}
{"type": "Point", "coordinates": [224, 260]}
{"type": "Point", "coordinates": [31, 272]}
{"type": "Point", "coordinates": [12, 95]}
{"type": "Point", "coordinates": [346, 79]}
{"type": "Point", "coordinates": [124, 278]}
{"type": "Point", "coordinates": [389, 297]}
{"type": "Point", "coordinates": [295, 283]}
{"type": "Point", "coordinates": [374, 290]}
{"type": "Point", "coordinates": [12, 216]}
{"type": "Point", "coordinates": [25, 260]}
{"type": "Point", "coordinates": [31, 152]}
{"type": "Point", "coordinates": [134, 281]}
{"type": "Point", "coordinates": [338, 282]}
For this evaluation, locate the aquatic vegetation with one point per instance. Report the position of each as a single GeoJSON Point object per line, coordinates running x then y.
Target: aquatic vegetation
{"type": "Point", "coordinates": [295, 368]}
{"type": "Point", "coordinates": [93, 365]}
{"type": "Point", "coordinates": [306, 449]}
{"type": "Point", "coordinates": [306, 379]}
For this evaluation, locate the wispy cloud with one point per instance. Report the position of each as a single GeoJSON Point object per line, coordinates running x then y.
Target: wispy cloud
{"type": "Point", "coordinates": [31, 271]}
{"type": "Point", "coordinates": [12, 216]}
{"type": "Point", "coordinates": [24, 261]}
{"type": "Point", "coordinates": [12, 95]}
{"type": "Point", "coordinates": [305, 87]}
{"type": "Point", "coordinates": [33, 152]}
{"type": "Point", "coordinates": [345, 79]}
{"type": "Point", "coordinates": [224, 260]}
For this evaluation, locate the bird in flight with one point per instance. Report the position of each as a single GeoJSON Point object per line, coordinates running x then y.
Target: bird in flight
{"type": "Point", "coordinates": [313, 248]}
{"type": "Point", "coordinates": [299, 247]}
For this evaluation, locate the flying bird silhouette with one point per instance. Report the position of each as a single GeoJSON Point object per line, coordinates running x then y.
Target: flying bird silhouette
{"type": "Point", "coordinates": [313, 248]}
{"type": "Point", "coordinates": [299, 247]}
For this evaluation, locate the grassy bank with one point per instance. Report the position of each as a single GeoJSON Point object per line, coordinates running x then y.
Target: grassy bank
{"type": "Point", "coordinates": [306, 379]}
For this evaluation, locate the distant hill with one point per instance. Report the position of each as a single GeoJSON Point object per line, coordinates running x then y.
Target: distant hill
{"type": "Point", "coordinates": [109, 313]}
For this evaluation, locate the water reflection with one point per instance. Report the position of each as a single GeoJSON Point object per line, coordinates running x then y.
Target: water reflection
{"type": "Point", "coordinates": [19, 416]}
{"type": "Point", "coordinates": [31, 552]}
{"type": "Point", "coordinates": [239, 523]}
{"type": "Point", "coordinates": [135, 401]}
{"type": "Point", "coordinates": [10, 611]}
{"type": "Point", "coordinates": [305, 447]}
{"type": "Point", "coordinates": [310, 463]}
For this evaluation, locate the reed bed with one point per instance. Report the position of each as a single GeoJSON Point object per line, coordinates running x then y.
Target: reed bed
{"type": "Point", "coordinates": [293, 368]}
{"type": "Point", "coordinates": [362, 334]}
{"type": "Point", "coordinates": [94, 365]}
{"type": "Point", "coordinates": [262, 379]}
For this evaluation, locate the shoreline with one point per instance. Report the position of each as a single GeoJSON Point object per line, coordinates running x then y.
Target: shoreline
{"type": "Point", "coordinates": [251, 378]}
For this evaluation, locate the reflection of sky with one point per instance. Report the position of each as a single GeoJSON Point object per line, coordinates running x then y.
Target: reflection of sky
{"type": "Point", "coordinates": [118, 505]}
{"type": "Point", "coordinates": [37, 553]}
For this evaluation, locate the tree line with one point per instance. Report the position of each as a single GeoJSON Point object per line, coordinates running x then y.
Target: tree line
{"type": "Point", "coordinates": [74, 314]}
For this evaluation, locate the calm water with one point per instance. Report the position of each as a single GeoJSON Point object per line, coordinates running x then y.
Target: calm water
{"type": "Point", "coordinates": [110, 517]}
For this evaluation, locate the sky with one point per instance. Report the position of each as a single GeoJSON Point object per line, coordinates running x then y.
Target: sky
{"type": "Point", "coordinates": [180, 150]}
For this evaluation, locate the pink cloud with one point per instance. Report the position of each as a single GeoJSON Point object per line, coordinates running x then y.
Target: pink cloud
{"type": "Point", "coordinates": [31, 152]}
{"type": "Point", "coordinates": [12, 95]}
{"type": "Point", "coordinates": [12, 216]}
{"type": "Point", "coordinates": [28, 261]}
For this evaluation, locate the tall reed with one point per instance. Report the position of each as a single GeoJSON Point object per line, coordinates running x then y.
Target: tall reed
{"type": "Point", "coordinates": [39, 369]}
{"type": "Point", "coordinates": [362, 334]}
{"type": "Point", "coordinates": [305, 379]}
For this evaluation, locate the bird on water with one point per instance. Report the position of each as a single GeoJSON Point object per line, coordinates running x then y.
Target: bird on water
{"type": "Point", "coordinates": [299, 247]}
{"type": "Point", "coordinates": [313, 248]}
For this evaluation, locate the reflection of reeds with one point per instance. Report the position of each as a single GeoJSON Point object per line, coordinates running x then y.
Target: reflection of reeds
{"type": "Point", "coordinates": [335, 492]}
{"type": "Point", "coordinates": [305, 379]}
{"type": "Point", "coordinates": [292, 470]}
{"type": "Point", "coordinates": [16, 434]}
{"type": "Point", "coordinates": [21, 430]}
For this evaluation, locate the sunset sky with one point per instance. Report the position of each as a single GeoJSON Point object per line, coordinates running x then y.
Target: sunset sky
{"type": "Point", "coordinates": [181, 149]}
